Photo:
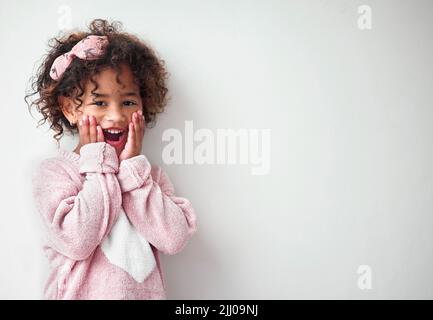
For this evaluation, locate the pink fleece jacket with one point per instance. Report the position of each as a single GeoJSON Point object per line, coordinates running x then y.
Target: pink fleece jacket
{"type": "Point", "coordinates": [105, 224]}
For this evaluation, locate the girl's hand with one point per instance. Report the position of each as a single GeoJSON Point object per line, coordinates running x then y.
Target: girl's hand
{"type": "Point", "coordinates": [89, 131]}
{"type": "Point", "coordinates": [135, 137]}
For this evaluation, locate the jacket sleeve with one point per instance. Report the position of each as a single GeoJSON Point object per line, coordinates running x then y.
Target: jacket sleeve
{"type": "Point", "coordinates": [76, 216]}
{"type": "Point", "coordinates": [165, 220]}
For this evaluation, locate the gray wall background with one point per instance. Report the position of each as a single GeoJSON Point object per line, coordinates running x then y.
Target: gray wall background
{"type": "Point", "coordinates": [350, 113]}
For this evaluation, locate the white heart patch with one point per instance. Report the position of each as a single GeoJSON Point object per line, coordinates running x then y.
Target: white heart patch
{"type": "Point", "coordinates": [127, 249]}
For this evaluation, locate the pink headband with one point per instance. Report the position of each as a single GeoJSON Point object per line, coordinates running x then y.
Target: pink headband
{"type": "Point", "coordinates": [89, 48]}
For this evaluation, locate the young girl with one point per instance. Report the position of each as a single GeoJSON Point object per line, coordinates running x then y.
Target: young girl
{"type": "Point", "coordinates": [106, 211]}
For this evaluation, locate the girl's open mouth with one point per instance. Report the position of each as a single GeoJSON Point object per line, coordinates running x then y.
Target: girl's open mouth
{"type": "Point", "coordinates": [115, 137]}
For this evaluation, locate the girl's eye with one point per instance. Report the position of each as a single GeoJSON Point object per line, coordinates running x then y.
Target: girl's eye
{"type": "Point", "coordinates": [129, 103]}
{"type": "Point", "coordinates": [99, 103]}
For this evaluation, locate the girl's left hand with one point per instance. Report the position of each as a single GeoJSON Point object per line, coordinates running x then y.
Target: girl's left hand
{"type": "Point", "coordinates": [135, 137]}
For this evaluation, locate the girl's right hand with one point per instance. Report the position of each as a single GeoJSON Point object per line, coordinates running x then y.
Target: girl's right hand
{"type": "Point", "coordinates": [89, 131]}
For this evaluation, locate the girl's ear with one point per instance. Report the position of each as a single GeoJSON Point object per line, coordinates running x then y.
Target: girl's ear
{"type": "Point", "coordinates": [67, 106]}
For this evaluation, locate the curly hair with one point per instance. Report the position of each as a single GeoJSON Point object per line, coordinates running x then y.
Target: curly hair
{"type": "Point", "coordinates": [123, 48]}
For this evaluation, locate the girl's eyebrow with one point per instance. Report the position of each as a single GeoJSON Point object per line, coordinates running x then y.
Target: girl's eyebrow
{"type": "Point", "coordinates": [98, 95]}
{"type": "Point", "coordinates": [104, 95]}
{"type": "Point", "coordinates": [129, 94]}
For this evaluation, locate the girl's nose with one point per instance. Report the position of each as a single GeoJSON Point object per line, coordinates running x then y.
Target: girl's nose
{"type": "Point", "coordinates": [115, 115]}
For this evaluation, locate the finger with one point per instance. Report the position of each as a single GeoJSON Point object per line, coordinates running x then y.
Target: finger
{"type": "Point", "coordinates": [127, 147]}
{"type": "Point", "coordinates": [84, 134]}
{"type": "Point", "coordinates": [141, 120]}
{"type": "Point", "coordinates": [80, 129]}
{"type": "Point", "coordinates": [139, 132]}
{"type": "Point", "coordinates": [92, 129]}
{"type": "Point", "coordinates": [137, 124]}
{"type": "Point", "coordinates": [133, 138]}
{"type": "Point", "coordinates": [142, 127]}
{"type": "Point", "coordinates": [100, 134]}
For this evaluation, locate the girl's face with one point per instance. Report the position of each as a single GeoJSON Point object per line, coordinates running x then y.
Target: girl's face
{"type": "Point", "coordinates": [112, 104]}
